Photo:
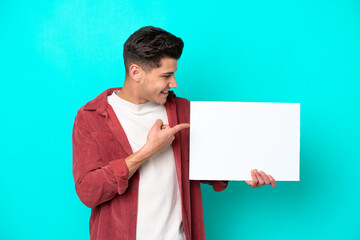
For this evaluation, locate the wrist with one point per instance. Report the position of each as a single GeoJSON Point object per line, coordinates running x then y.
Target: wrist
{"type": "Point", "coordinates": [146, 151]}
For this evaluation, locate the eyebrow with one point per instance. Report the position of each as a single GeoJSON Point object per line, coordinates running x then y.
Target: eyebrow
{"type": "Point", "coordinates": [167, 73]}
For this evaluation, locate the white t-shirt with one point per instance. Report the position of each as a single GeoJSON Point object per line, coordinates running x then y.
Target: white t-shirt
{"type": "Point", "coordinates": [159, 205]}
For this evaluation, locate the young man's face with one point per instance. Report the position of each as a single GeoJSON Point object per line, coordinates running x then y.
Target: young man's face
{"type": "Point", "coordinates": [156, 83]}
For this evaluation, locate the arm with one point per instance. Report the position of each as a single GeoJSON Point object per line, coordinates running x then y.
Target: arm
{"type": "Point", "coordinates": [95, 183]}
{"type": "Point", "coordinates": [258, 179]}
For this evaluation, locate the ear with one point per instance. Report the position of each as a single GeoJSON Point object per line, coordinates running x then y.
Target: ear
{"type": "Point", "coordinates": [136, 72]}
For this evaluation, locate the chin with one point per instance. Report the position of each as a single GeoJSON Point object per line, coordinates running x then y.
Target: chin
{"type": "Point", "coordinates": [159, 101]}
{"type": "Point", "coordinates": [162, 102]}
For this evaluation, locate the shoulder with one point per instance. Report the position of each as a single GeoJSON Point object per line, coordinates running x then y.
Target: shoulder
{"type": "Point", "coordinates": [182, 109]}
{"type": "Point", "coordinates": [82, 116]}
{"type": "Point", "coordinates": [94, 108]}
{"type": "Point", "coordinates": [182, 102]}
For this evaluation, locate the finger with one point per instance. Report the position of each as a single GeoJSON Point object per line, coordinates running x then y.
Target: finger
{"type": "Point", "coordinates": [272, 181]}
{"type": "Point", "coordinates": [180, 127]}
{"type": "Point", "coordinates": [265, 177]}
{"type": "Point", "coordinates": [165, 126]}
{"type": "Point", "coordinates": [159, 123]}
{"type": "Point", "coordinates": [254, 178]}
{"type": "Point", "coordinates": [261, 180]}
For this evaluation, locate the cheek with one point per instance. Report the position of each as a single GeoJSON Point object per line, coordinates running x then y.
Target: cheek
{"type": "Point", "coordinates": [159, 86]}
{"type": "Point", "coordinates": [147, 86]}
{"type": "Point", "coordinates": [154, 85]}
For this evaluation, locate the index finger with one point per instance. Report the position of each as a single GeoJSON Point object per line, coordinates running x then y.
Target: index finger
{"type": "Point", "coordinates": [180, 127]}
{"type": "Point", "coordinates": [255, 180]}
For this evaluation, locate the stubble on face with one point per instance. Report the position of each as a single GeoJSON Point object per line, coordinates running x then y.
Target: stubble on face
{"type": "Point", "coordinates": [157, 82]}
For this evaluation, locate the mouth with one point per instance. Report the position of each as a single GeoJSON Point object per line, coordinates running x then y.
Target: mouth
{"type": "Point", "coordinates": [165, 92]}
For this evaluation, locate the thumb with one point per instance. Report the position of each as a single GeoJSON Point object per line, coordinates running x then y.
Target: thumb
{"type": "Point", "coordinates": [158, 123]}
{"type": "Point", "coordinates": [250, 183]}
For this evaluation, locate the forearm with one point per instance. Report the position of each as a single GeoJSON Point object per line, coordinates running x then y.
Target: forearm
{"type": "Point", "coordinates": [97, 186]}
{"type": "Point", "coordinates": [135, 160]}
{"type": "Point", "coordinates": [159, 137]}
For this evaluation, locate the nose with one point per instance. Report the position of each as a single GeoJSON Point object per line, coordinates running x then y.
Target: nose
{"type": "Point", "coordinates": [173, 83]}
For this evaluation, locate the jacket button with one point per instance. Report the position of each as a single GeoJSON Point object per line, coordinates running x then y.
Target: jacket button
{"type": "Point", "coordinates": [133, 187]}
{"type": "Point", "coordinates": [132, 214]}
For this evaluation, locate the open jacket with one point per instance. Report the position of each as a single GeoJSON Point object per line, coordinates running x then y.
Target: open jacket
{"type": "Point", "coordinates": [100, 147]}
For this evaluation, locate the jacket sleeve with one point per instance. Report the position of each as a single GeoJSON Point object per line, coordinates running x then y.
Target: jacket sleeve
{"type": "Point", "coordinates": [218, 186]}
{"type": "Point", "coordinates": [95, 183]}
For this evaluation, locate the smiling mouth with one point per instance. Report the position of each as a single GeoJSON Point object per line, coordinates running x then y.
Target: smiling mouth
{"type": "Point", "coordinates": [165, 92]}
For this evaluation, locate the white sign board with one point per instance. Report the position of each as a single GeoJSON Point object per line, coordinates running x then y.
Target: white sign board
{"type": "Point", "coordinates": [229, 139]}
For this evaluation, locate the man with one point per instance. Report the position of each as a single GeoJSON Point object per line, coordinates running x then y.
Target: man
{"type": "Point", "coordinates": [131, 150]}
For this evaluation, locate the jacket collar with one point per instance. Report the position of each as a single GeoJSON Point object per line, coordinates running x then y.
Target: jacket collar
{"type": "Point", "coordinates": [99, 104]}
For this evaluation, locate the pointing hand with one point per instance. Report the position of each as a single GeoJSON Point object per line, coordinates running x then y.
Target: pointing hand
{"type": "Point", "coordinates": [162, 135]}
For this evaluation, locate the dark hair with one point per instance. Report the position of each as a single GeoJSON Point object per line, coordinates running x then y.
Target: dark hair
{"type": "Point", "coordinates": [148, 45]}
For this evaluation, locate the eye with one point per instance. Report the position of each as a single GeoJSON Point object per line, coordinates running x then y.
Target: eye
{"type": "Point", "coordinates": [167, 76]}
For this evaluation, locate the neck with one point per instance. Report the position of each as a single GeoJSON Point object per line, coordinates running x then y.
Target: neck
{"type": "Point", "coordinates": [130, 93]}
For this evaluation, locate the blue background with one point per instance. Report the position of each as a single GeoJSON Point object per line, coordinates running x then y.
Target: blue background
{"type": "Point", "coordinates": [57, 55]}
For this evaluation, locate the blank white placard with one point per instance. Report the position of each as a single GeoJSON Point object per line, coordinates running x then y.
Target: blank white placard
{"type": "Point", "coordinates": [228, 139]}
